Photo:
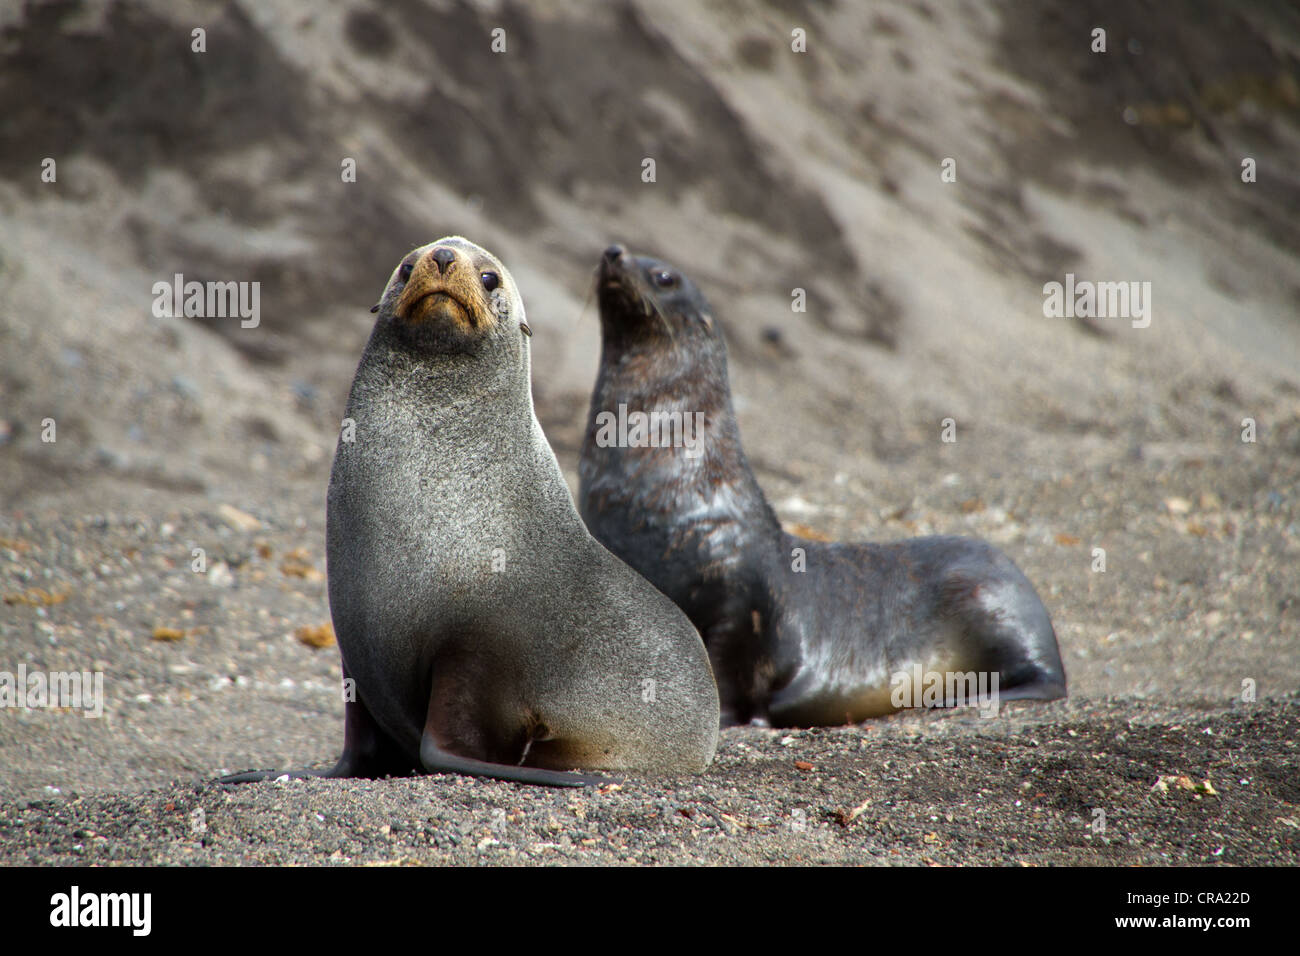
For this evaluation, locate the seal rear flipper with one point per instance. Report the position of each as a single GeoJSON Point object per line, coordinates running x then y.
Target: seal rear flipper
{"type": "Point", "coordinates": [1027, 658]}
{"type": "Point", "coordinates": [1034, 690]}
{"type": "Point", "coordinates": [1002, 614]}
{"type": "Point", "coordinates": [437, 760]}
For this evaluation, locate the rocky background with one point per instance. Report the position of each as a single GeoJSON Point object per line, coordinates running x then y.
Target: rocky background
{"type": "Point", "coordinates": [775, 170]}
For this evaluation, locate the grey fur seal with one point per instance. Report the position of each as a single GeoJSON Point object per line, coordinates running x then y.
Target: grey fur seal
{"type": "Point", "coordinates": [819, 645]}
{"type": "Point", "coordinates": [486, 632]}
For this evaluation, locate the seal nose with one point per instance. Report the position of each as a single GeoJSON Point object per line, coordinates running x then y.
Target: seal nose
{"type": "Point", "coordinates": [444, 257]}
{"type": "Point", "coordinates": [614, 253]}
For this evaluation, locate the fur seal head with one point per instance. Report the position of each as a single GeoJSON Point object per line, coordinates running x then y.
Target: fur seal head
{"type": "Point", "coordinates": [646, 304]}
{"type": "Point", "coordinates": [451, 296]}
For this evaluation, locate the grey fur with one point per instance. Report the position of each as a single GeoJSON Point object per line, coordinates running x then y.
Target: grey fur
{"type": "Point", "coordinates": [449, 464]}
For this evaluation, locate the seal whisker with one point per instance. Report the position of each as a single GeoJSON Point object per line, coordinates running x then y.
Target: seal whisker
{"type": "Point", "coordinates": [651, 307]}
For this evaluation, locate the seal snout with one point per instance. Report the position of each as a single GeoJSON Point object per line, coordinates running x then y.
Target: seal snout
{"type": "Point", "coordinates": [614, 262]}
{"type": "Point", "coordinates": [616, 285]}
{"type": "Point", "coordinates": [439, 290]}
{"type": "Point", "coordinates": [443, 258]}
{"type": "Point", "coordinates": [614, 268]}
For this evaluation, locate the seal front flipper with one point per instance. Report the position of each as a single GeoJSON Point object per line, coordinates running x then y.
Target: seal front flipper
{"type": "Point", "coordinates": [367, 752]}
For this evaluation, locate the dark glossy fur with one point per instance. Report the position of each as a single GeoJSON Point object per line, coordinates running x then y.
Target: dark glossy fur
{"type": "Point", "coordinates": [793, 648]}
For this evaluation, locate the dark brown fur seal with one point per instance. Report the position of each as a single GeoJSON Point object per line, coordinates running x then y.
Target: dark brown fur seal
{"type": "Point", "coordinates": [486, 631]}
{"type": "Point", "coordinates": [817, 647]}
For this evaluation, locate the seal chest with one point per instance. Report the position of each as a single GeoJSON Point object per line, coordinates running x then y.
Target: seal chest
{"type": "Point", "coordinates": [484, 630]}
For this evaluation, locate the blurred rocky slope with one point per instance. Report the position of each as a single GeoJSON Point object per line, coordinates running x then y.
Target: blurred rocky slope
{"type": "Point", "coordinates": [775, 170]}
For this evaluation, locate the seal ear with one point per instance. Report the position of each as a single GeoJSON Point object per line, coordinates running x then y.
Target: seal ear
{"type": "Point", "coordinates": [375, 307]}
{"type": "Point", "coordinates": [523, 327]}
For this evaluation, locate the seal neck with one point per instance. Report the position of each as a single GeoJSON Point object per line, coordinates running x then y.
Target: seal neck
{"type": "Point", "coordinates": [464, 397]}
{"type": "Point", "coordinates": [712, 482]}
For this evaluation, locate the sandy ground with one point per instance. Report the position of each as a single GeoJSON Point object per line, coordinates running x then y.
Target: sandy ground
{"type": "Point", "coordinates": [776, 171]}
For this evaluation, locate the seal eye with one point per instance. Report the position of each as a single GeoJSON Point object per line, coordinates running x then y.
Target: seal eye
{"type": "Point", "coordinates": [490, 280]}
{"type": "Point", "coordinates": [404, 273]}
{"type": "Point", "coordinates": [664, 279]}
